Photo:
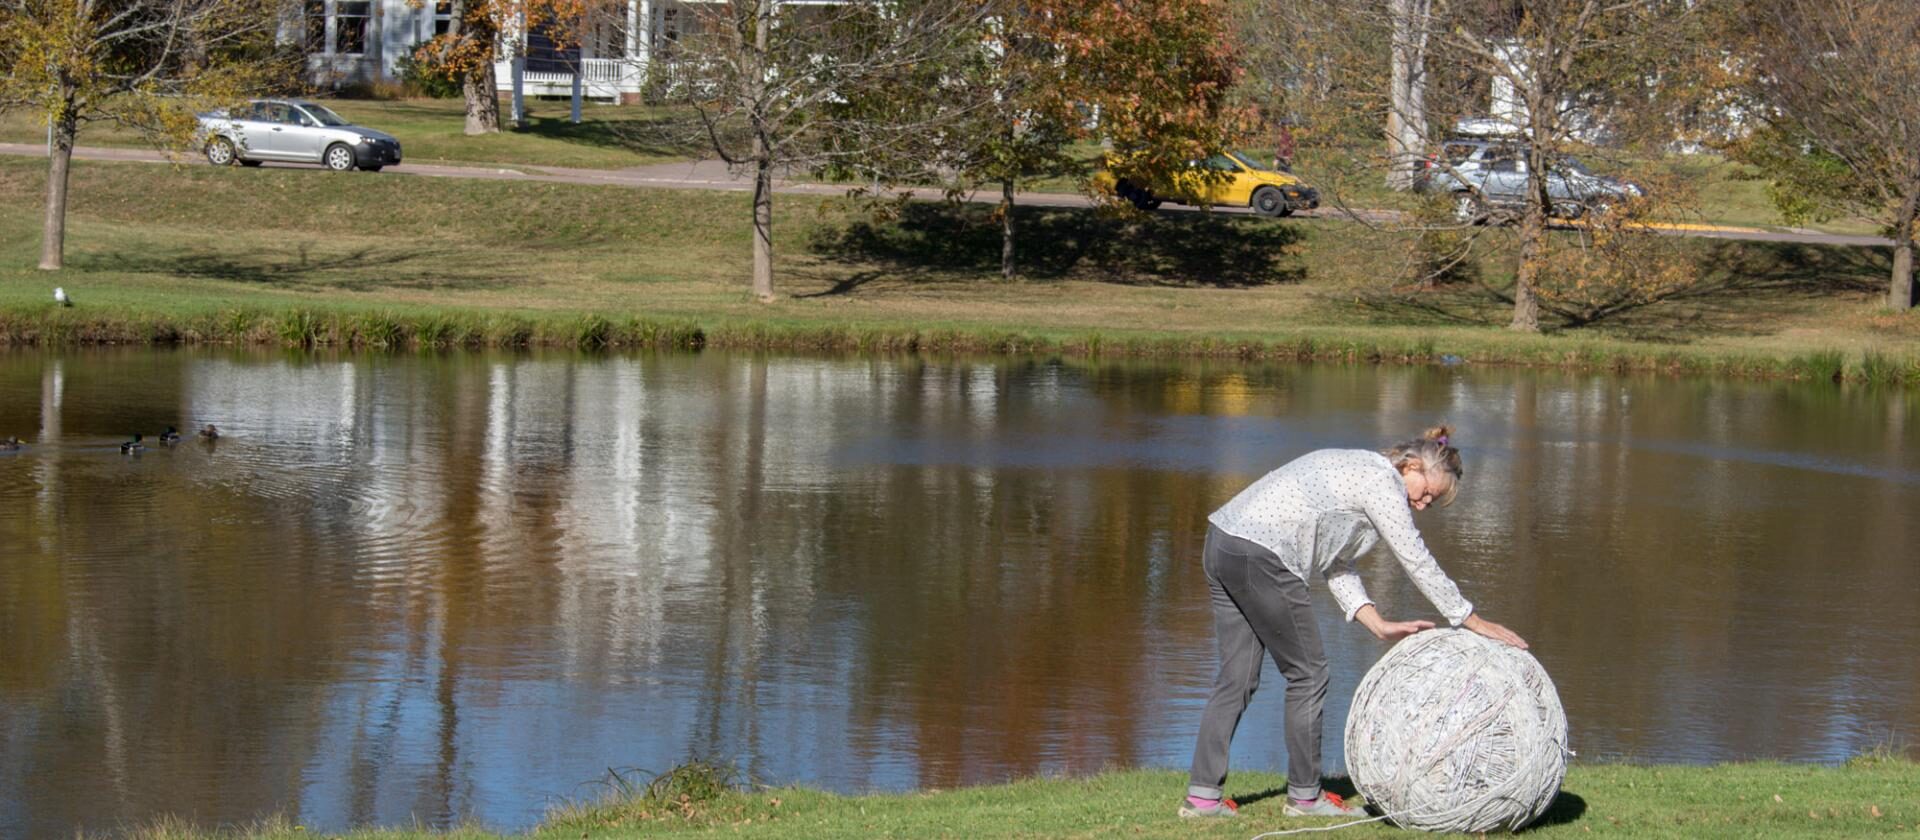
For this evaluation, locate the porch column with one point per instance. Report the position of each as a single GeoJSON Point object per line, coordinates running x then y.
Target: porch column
{"type": "Point", "coordinates": [641, 33]}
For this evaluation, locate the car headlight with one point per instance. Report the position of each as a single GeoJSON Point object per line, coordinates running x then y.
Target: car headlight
{"type": "Point", "coordinates": [1635, 191]}
{"type": "Point", "coordinates": [365, 140]}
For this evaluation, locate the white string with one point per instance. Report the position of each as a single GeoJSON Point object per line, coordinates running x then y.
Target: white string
{"type": "Point", "coordinates": [1318, 828]}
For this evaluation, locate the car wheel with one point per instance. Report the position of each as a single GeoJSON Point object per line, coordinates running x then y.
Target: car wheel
{"type": "Point", "coordinates": [1268, 201]}
{"type": "Point", "coordinates": [220, 152]}
{"type": "Point", "coordinates": [338, 158]}
{"type": "Point", "coordinates": [1468, 208]}
{"type": "Point", "coordinates": [1141, 197]}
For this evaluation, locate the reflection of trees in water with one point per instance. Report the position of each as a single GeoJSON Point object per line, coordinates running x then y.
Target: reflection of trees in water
{"type": "Point", "coordinates": [400, 576]}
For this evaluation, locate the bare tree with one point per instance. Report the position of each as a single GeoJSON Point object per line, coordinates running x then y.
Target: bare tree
{"type": "Point", "coordinates": [1834, 82]}
{"type": "Point", "coordinates": [1556, 77]}
{"type": "Point", "coordinates": [1576, 70]}
{"type": "Point", "coordinates": [776, 85]}
{"type": "Point", "coordinates": [1407, 111]}
{"type": "Point", "coordinates": [141, 64]}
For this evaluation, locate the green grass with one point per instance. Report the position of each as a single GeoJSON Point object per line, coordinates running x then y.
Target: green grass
{"type": "Point", "coordinates": [1866, 797]}
{"type": "Point", "coordinates": [164, 254]}
{"type": "Point", "coordinates": [433, 131]}
{"type": "Point", "coordinates": [614, 137]}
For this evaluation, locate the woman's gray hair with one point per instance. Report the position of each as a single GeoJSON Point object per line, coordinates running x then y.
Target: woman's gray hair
{"type": "Point", "coordinates": [1433, 452]}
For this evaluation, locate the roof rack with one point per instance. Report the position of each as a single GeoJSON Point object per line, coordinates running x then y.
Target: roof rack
{"type": "Point", "coordinates": [1486, 127]}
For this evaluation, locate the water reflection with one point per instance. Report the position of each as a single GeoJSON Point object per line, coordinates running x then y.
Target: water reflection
{"type": "Point", "coordinates": [439, 587]}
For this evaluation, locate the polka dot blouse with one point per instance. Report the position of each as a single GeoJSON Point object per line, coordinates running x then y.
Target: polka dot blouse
{"type": "Point", "coordinates": [1323, 510]}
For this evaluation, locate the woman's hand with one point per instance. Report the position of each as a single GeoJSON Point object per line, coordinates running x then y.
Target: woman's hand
{"type": "Point", "coordinates": [1388, 631]}
{"type": "Point", "coordinates": [1494, 631]}
{"type": "Point", "coordinates": [1393, 631]}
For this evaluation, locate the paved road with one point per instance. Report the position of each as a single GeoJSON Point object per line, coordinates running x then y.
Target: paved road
{"type": "Point", "coordinates": [712, 175]}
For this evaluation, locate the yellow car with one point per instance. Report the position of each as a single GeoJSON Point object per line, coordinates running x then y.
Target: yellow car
{"type": "Point", "coordinates": [1228, 179]}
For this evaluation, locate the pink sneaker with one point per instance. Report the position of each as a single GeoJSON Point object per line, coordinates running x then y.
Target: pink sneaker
{"type": "Point", "coordinates": [1221, 808]}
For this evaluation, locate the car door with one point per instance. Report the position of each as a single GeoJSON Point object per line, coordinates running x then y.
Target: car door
{"type": "Point", "coordinates": [1505, 179]}
{"type": "Point", "coordinates": [253, 130]}
{"type": "Point", "coordinates": [1224, 185]}
{"type": "Point", "coordinates": [272, 119]}
{"type": "Point", "coordinates": [304, 137]}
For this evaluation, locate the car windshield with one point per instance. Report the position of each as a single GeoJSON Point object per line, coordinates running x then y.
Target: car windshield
{"type": "Point", "coordinates": [1575, 166]}
{"type": "Point", "coordinates": [1248, 161]}
{"type": "Point", "coordinates": [326, 117]}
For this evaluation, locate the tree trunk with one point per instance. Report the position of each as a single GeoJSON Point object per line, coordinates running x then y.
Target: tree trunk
{"type": "Point", "coordinates": [483, 101]}
{"type": "Point", "coordinates": [477, 84]}
{"type": "Point", "coordinates": [1900, 292]}
{"type": "Point", "coordinates": [1407, 107]}
{"type": "Point", "coordinates": [1006, 228]}
{"type": "Point", "coordinates": [762, 222]}
{"type": "Point", "coordinates": [53, 236]}
{"type": "Point", "coordinates": [1535, 213]}
{"type": "Point", "coordinates": [1533, 251]}
{"type": "Point", "coordinates": [762, 164]}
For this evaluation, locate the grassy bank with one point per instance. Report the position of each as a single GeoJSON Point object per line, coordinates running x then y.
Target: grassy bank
{"type": "Point", "coordinates": [434, 131]}
{"type": "Point", "coordinates": [615, 137]}
{"type": "Point", "coordinates": [1867, 797]}
{"type": "Point", "coordinates": [197, 254]}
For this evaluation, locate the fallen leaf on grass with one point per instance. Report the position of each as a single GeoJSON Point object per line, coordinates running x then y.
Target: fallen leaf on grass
{"type": "Point", "coordinates": [1776, 798]}
{"type": "Point", "coordinates": [1876, 812]}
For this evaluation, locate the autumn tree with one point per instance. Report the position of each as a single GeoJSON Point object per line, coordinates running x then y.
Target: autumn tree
{"type": "Point", "coordinates": [146, 65]}
{"type": "Point", "coordinates": [774, 85]}
{"type": "Point", "coordinates": [475, 31]}
{"type": "Point", "coordinates": [1148, 79]}
{"type": "Point", "coordinates": [1832, 87]}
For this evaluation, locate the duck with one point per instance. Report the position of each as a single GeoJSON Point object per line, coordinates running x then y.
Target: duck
{"type": "Point", "coordinates": [132, 446]}
{"type": "Point", "coordinates": [209, 433]}
{"type": "Point", "coordinates": [170, 436]}
{"type": "Point", "coordinates": [12, 444]}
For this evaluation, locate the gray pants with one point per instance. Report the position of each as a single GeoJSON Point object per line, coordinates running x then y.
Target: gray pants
{"type": "Point", "coordinates": [1260, 607]}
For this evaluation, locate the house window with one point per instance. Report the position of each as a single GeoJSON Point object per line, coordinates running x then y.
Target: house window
{"type": "Point", "coordinates": [442, 17]}
{"type": "Point", "coordinates": [350, 27]}
{"type": "Point", "coordinates": [669, 31]}
{"type": "Point", "coordinates": [609, 37]}
{"type": "Point", "coordinates": [316, 26]}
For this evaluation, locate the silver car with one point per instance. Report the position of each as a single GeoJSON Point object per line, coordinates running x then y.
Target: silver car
{"type": "Point", "coordinates": [1488, 182]}
{"type": "Point", "coordinates": [294, 131]}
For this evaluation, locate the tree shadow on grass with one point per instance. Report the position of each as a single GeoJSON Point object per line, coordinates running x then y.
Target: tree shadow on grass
{"type": "Point", "coordinates": [651, 137]}
{"type": "Point", "coordinates": [1742, 288]}
{"type": "Point", "coordinates": [1186, 249]}
{"type": "Point", "coordinates": [357, 270]}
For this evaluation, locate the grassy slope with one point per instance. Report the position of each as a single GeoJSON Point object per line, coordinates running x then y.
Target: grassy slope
{"type": "Point", "coordinates": [1863, 798]}
{"type": "Point", "coordinates": [432, 131]}
{"type": "Point", "coordinates": [613, 137]}
{"type": "Point", "coordinates": [267, 255]}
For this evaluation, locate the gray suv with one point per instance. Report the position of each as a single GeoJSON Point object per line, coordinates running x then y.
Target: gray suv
{"type": "Point", "coordinates": [1487, 178]}
{"type": "Point", "coordinates": [295, 132]}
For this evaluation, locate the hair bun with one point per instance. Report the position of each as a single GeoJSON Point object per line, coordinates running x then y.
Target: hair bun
{"type": "Point", "coordinates": [1441, 434]}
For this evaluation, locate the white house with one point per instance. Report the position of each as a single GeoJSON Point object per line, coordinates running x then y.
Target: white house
{"type": "Point", "coordinates": [362, 40]}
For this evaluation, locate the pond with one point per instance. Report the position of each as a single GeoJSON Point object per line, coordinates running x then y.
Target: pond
{"type": "Point", "coordinates": [465, 586]}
